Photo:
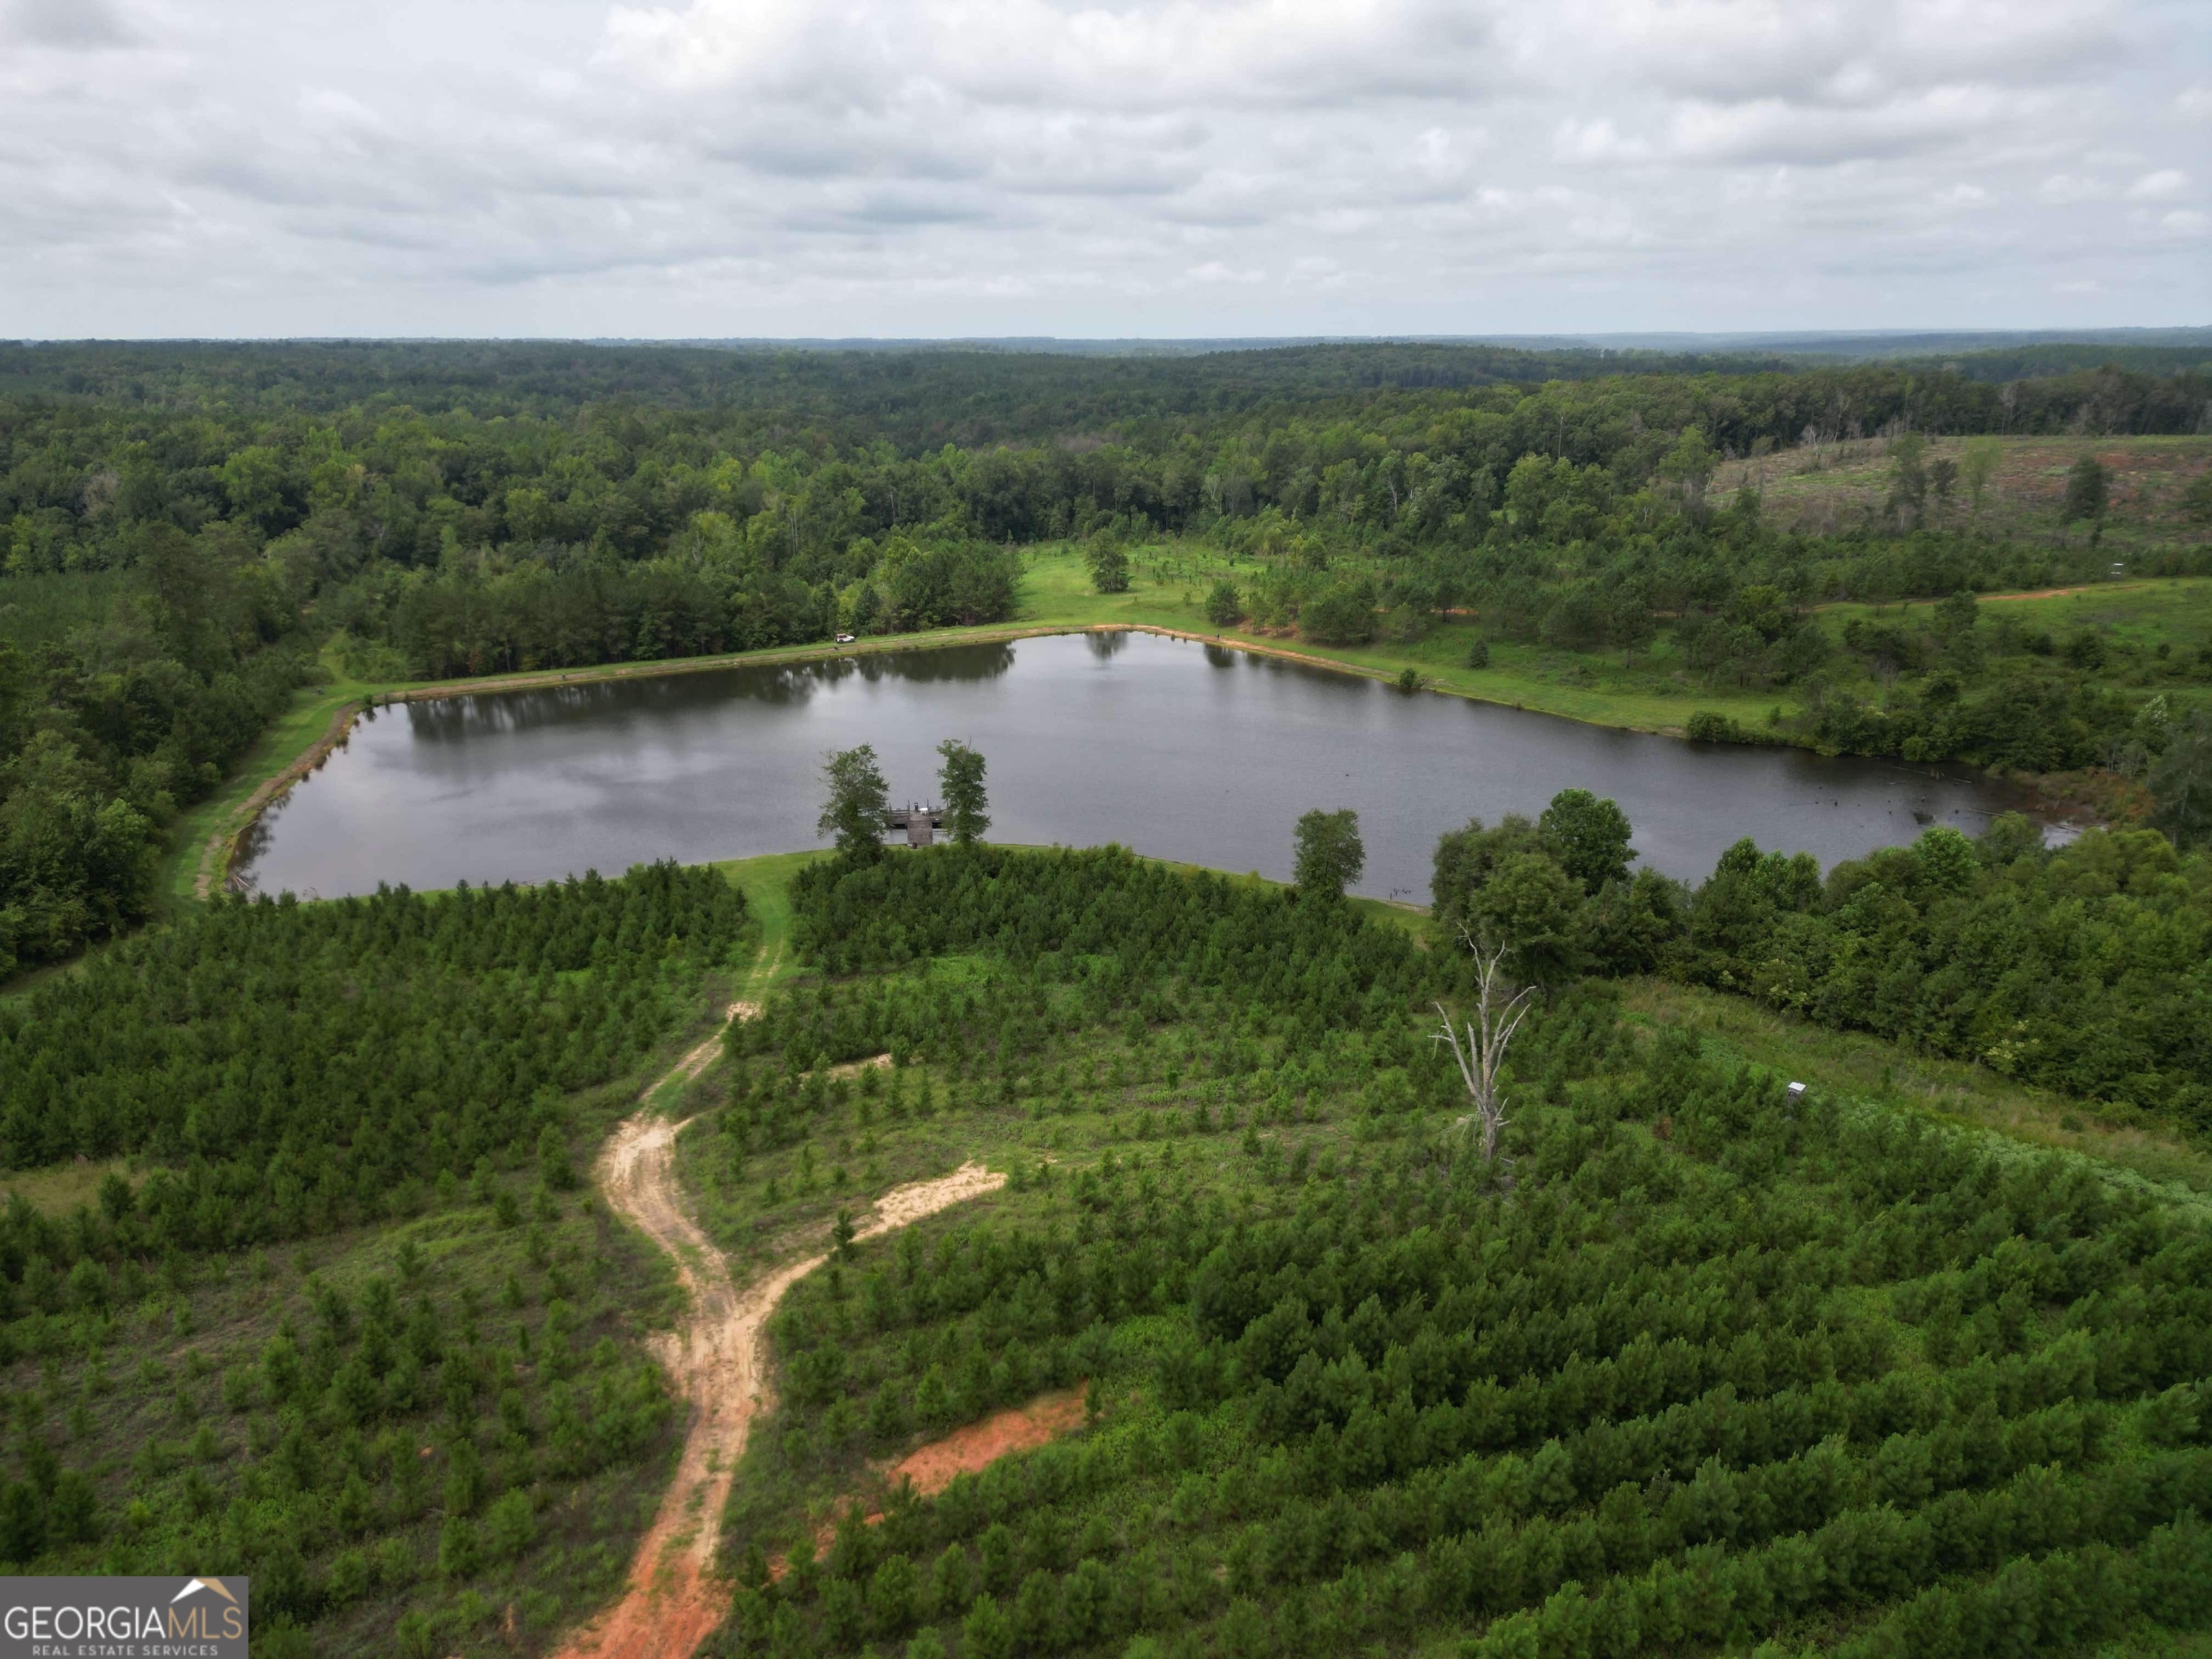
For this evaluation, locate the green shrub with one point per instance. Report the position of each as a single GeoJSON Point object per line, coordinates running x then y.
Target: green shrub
{"type": "Point", "coordinates": [1109, 566]}
{"type": "Point", "coordinates": [1341, 614]}
{"type": "Point", "coordinates": [460, 1552]}
{"type": "Point", "coordinates": [509, 1528]}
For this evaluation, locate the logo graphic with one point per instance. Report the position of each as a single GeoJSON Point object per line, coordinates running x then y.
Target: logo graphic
{"type": "Point", "coordinates": [124, 1618]}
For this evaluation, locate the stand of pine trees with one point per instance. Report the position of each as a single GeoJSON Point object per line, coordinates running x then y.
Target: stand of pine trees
{"type": "Point", "coordinates": [1704, 1366]}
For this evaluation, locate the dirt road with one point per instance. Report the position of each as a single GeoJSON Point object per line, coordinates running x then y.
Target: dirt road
{"type": "Point", "coordinates": [714, 1359]}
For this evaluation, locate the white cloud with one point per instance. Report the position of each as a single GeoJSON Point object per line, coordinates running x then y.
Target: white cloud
{"type": "Point", "coordinates": [1772, 129]}
{"type": "Point", "coordinates": [2160, 186]}
{"type": "Point", "coordinates": [2066, 189]}
{"type": "Point", "coordinates": [865, 53]}
{"type": "Point", "coordinates": [718, 167]}
{"type": "Point", "coordinates": [1832, 51]}
{"type": "Point", "coordinates": [1599, 141]}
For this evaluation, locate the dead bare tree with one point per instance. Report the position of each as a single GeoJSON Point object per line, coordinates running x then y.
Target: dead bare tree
{"type": "Point", "coordinates": [1497, 1017]}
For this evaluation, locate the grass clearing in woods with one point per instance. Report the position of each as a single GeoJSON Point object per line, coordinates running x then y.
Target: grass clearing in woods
{"type": "Point", "coordinates": [1959, 1091]}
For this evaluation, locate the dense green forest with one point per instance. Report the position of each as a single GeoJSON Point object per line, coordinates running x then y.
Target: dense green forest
{"type": "Point", "coordinates": [1697, 1365]}
{"type": "Point", "coordinates": [335, 1316]}
{"type": "Point", "coordinates": [192, 532]}
{"type": "Point", "coordinates": [921, 397]}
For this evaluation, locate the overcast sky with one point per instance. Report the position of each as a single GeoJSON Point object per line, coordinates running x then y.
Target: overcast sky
{"type": "Point", "coordinates": [717, 167]}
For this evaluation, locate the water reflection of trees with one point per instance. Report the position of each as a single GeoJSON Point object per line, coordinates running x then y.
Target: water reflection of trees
{"type": "Point", "coordinates": [953, 665]}
{"type": "Point", "coordinates": [252, 841]}
{"type": "Point", "coordinates": [494, 714]}
{"type": "Point", "coordinates": [1106, 646]}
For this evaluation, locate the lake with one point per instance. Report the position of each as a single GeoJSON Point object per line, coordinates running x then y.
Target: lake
{"type": "Point", "coordinates": [1175, 749]}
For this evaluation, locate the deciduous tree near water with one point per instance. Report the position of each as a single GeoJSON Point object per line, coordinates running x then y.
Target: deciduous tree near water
{"type": "Point", "coordinates": [858, 801]}
{"type": "Point", "coordinates": [961, 778]}
{"type": "Point", "coordinates": [1330, 853]}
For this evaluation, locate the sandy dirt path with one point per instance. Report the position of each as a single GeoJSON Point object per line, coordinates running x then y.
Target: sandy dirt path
{"type": "Point", "coordinates": [714, 1359]}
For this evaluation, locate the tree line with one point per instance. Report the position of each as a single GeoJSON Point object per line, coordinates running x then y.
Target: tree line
{"type": "Point", "coordinates": [2080, 967]}
{"type": "Point", "coordinates": [921, 397]}
{"type": "Point", "coordinates": [120, 706]}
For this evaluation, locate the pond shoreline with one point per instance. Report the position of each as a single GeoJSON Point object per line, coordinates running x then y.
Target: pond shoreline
{"type": "Point", "coordinates": [224, 845]}
{"type": "Point", "coordinates": [898, 644]}
{"type": "Point", "coordinates": [1166, 754]}
{"type": "Point", "coordinates": [227, 846]}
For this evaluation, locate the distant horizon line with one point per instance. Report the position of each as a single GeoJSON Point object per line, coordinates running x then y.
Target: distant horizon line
{"type": "Point", "coordinates": [1601, 340]}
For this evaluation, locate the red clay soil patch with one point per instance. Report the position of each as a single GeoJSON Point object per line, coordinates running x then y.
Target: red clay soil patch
{"type": "Point", "coordinates": [968, 1451]}
{"type": "Point", "coordinates": [964, 1451]}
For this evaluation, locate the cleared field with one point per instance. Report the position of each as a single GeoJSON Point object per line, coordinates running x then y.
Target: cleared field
{"type": "Point", "coordinates": [1835, 488]}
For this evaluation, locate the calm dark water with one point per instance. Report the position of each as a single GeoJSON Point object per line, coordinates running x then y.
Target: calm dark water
{"type": "Point", "coordinates": [1175, 749]}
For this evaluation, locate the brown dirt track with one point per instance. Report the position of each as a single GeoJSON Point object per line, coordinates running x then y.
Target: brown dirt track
{"type": "Point", "coordinates": [714, 1358]}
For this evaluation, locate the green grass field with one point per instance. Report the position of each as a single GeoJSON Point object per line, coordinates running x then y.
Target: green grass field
{"type": "Point", "coordinates": [2137, 615]}
{"type": "Point", "coordinates": [1948, 1090]}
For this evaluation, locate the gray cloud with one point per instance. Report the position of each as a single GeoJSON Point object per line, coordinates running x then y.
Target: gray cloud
{"type": "Point", "coordinates": [837, 166]}
{"type": "Point", "coordinates": [67, 25]}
